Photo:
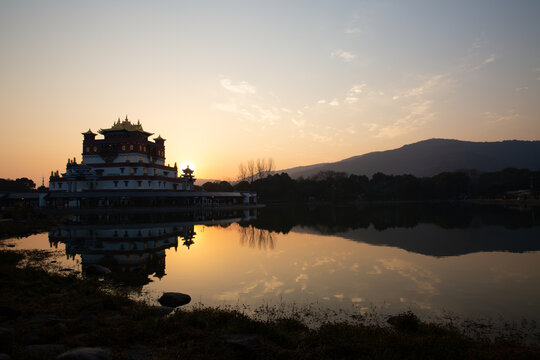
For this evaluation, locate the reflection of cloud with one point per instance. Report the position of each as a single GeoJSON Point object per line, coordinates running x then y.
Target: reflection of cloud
{"type": "Point", "coordinates": [302, 277]}
{"type": "Point", "coordinates": [423, 278]}
{"type": "Point", "coordinates": [241, 87]}
{"type": "Point", "coordinates": [343, 55]}
{"type": "Point", "coordinates": [357, 299]}
{"type": "Point", "coordinates": [272, 285]}
{"type": "Point", "coordinates": [323, 260]}
{"type": "Point", "coordinates": [376, 270]}
{"type": "Point", "coordinates": [235, 294]}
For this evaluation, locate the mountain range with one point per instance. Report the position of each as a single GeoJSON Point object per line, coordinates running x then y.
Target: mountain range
{"type": "Point", "coordinates": [433, 156]}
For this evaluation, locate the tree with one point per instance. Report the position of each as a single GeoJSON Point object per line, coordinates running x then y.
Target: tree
{"type": "Point", "coordinates": [261, 168]}
{"type": "Point", "coordinates": [251, 171]}
{"type": "Point", "coordinates": [242, 172]}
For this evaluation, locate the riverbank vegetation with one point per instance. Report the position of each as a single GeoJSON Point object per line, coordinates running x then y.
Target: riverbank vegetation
{"type": "Point", "coordinates": [341, 187]}
{"type": "Point", "coordinates": [58, 310]}
{"type": "Point", "coordinates": [23, 219]}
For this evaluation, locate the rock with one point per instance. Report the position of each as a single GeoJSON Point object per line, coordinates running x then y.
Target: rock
{"type": "Point", "coordinates": [9, 313]}
{"type": "Point", "coordinates": [174, 299]}
{"type": "Point", "coordinates": [5, 357]}
{"type": "Point", "coordinates": [98, 270]}
{"type": "Point", "coordinates": [90, 319]}
{"type": "Point", "coordinates": [137, 352]}
{"type": "Point", "coordinates": [242, 341]}
{"type": "Point", "coordinates": [116, 318]}
{"type": "Point", "coordinates": [42, 351]}
{"type": "Point", "coordinates": [32, 337]}
{"type": "Point", "coordinates": [162, 310]}
{"type": "Point", "coordinates": [59, 328]}
{"type": "Point", "coordinates": [45, 319]}
{"type": "Point", "coordinates": [7, 337]}
{"type": "Point", "coordinates": [85, 353]}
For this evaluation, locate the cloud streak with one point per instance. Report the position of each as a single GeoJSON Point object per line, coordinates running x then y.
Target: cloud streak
{"type": "Point", "coordinates": [343, 55]}
{"type": "Point", "coordinates": [241, 87]}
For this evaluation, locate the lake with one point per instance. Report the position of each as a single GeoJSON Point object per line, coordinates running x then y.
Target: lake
{"type": "Point", "coordinates": [438, 260]}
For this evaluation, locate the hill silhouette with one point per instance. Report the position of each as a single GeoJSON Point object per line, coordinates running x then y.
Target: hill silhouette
{"type": "Point", "coordinates": [433, 156]}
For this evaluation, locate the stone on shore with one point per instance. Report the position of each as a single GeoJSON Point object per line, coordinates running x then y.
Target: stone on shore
{"type": "Point", "coordinates": [42, 351]}
{"type": "Point", "coordinates": [95, 269]}
{"type": "Point", "coordinates": [137, 352]}
{"type": "Point", "coordinates": [174, 299]}
{"type": "Point", "coordinates": [7, 336]}
{"type": "Point", "coordinates": [85, 353]}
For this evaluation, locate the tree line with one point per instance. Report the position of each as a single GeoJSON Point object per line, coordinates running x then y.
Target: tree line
{"type": "Point", "coordinates": [18, 185]}
{"type": "Point", "coordinates": [338, 186]}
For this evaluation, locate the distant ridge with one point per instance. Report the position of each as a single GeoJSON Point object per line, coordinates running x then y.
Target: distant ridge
{"type": "Point", "coordinates": [433, 156]}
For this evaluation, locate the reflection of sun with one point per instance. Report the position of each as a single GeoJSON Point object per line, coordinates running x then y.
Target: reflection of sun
{"type": "Point", "coordinates": [185, 164]}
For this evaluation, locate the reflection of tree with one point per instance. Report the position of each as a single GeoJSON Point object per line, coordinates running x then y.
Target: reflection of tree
{"type": "Point", "coordinates": [254, 237]}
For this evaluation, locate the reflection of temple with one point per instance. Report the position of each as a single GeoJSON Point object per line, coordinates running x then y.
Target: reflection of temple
{"type": "Point", "coordinates": [134, 249]}
{"type": "Point", "coordinates": [131, 252]}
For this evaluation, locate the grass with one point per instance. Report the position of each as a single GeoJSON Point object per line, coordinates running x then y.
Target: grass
{"type": "Point", "coordinates": [65, 309]}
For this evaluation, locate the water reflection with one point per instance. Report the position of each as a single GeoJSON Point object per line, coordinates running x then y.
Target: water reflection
{"type": "Point", "coordinates": [254, 237]}
{"type": "Point", "coordinates": [133, 246]}
{"type": "Point", "coordinates": [470, 260]}
{"type": "Point", "coordinates": [440, 229]}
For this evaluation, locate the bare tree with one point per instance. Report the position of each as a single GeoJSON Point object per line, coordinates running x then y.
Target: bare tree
{"type": "Point", "coordinates": [251, 170]}
{"type": "Point", "coordinates": [270, 165]}
{"type": "Point", "coordinates": [242, 172]}
{"type": "Point", "coordinates": [261, 168]}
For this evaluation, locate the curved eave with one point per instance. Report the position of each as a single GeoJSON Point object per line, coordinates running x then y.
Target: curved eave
{"type": "Point", "coordinates": [106, 131]}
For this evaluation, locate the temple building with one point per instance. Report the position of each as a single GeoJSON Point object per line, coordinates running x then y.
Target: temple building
{"type": "Point", "coordinates": [127, 169]}
{"type": "Point", "coordinates": [125, 159]}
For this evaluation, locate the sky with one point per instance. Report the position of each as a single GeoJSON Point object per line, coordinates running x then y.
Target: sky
{"type": "Point", "coordinates": [300, 82]}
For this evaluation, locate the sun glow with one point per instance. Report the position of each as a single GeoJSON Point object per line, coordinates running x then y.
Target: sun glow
{"type": "Point", "coordinates": [185, 164]}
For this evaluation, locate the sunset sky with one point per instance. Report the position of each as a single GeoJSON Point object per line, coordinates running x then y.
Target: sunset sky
{"type": "Point", "coordinates": [299, 81]}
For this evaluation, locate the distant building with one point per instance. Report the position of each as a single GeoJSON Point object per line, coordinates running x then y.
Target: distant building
{"type": "Point", "coordinates": [125, 159]}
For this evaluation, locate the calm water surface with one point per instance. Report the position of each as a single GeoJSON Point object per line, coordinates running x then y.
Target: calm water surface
{"type": "Point", "coordinates": [473, 262]}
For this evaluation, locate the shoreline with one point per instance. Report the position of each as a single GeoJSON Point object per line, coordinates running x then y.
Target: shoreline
{"type": "Point", "coordinates": [41, 307]}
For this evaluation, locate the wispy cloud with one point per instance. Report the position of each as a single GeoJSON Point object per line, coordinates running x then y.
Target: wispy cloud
{"type": "Point", "coordinates": [536, 71]}
{"type": "Point", "coordinates": [417, 114]}
{"type": "Point", "coordinates": [343, 55]}
{"type": "Point", "coordinates": [334, 102]}
{"type": "Point", "coordinates": [431, 83]}
{"type": "Point", "coordinates": [353, 30]}
{"type": "Point", "coordinates": [240, 87]}
{"type": "Point", "coordinates": [488, 60]}
{"type": "Point", "coordinates": [352, 95]}
{"type": "Point", "coordinates": [498, 117]}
